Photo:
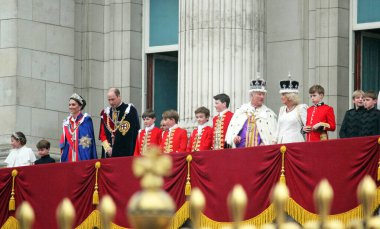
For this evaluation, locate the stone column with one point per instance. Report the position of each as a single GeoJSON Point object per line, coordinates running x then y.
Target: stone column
{"type": "Point", "coordinates": [36, 68]}
{"type": "Point", "coordinates": [220, 51]}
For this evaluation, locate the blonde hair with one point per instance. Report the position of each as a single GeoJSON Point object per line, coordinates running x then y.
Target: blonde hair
{"type": "Point", "coordinates": [357, 93]}
{"type": "Point", "coordinates": [292, 97]}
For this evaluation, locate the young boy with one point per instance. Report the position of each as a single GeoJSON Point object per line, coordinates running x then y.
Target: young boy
{"type": "Point", "coordinates": [371, 117]}
{"type": "Point", "coordinates": [320, 117]}
{"type": "Point", "coordinates": [221, 121]}
{"type": "Point", "coordinates": [43, 147]}
{"type": "Point", "coordinates": [201, 138]}
{"type": "Point", "coordinates": [149, 136]}
{"type": "Point", "coordinates": [351, 125]}
{"type": "Point", "coordinates": [174, 139]}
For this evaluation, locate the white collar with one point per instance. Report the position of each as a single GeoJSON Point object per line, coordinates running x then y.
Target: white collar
{"type": "Point", "coordinates": [173, 127]}
{"type": "Point", "coordinates": [200, 127]}
{"type": "Point", "coordinates": [223, 112]}
{"type": "Point", "coordinates": [149, 128]}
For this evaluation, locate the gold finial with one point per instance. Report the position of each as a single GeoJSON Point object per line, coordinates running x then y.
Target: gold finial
{"type": "Point", "coordinates": [97, 165]}
{"type": "Point", "coordinates": [65, 214]}
{"type": "Point", "coordinates": [378, 141]}
{"type": "Point", "coordinates": [197, 204]}
{"type": "Point", "coordinates": [189, 158]}
{"type": "Point", "coordinates": [366, 196]}
{"type": "Point", "coordinates": [283, 149]}
{"type": "Point", "coordinates": [151, 168]}
{"type": "Point", "coordinates": [25, 215]}
{"type": "Point", "coordinates": [152, 207]}
{"type": "Point", "coordinates": [237, 202]}
{"type": "Point", "coordinates": [14, 173]}
{"type": "Point", "coordinates": [323, 196]}
{"type": "Point", "coordinates": [280, 196]}
{"type": "Point", "coordinates": [107, 209]}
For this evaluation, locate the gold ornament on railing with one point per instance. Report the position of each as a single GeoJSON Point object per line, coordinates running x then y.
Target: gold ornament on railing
{"type": "Point", "coordinates": [25, 215]}
{"type": "Point", "coordinates": [189, 158]}
{"type": "Point", "coordinates": [282, 176]}
{"type": "Point", "coordinates": [280, 197]}
{"type": "Point", "coordinates": [152, 207]}
{"type": "Point", "coordinates": [65, 214]}
{"type": "Point", "coordinates": [95, 195]}
{"type": "Point", "coordinates": [323, 195]}
{"type": "Point", "coordinates": [107, 209]}
{"type": "Point", "coordinates": [237, 202]}
{"type": "Point", "coordinates": [12, 200]}
{"type": "Point", "coordinates": [197, 205]}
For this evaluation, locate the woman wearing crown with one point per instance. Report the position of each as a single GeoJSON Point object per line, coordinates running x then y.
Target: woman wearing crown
{"type": "Point", "coordinates": [77, 140]}
{"type": "Point", "coordinates": [292, 116]}
{"type": "Point", "coordinates": [253, 123]}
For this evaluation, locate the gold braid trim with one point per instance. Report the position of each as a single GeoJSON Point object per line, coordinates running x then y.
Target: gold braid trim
{"type": "Point", "coordinates": [94, 220]}
{"type": "Point", "coordinates": [267, 216]}
{"type": "Point", "coordinates": [11, 223]}
{"type": "Point", "coordinates": [180, 216]}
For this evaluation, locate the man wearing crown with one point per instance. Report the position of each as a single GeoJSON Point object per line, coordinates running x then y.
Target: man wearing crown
{"type": "Point", "coordinates": [119, 126]}
{"type": "Point", "coordinates": [253, 124]}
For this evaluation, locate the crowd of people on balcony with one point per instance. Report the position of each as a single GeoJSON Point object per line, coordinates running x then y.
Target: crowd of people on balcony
{"type": "Point", "coordinates": [252, 124]}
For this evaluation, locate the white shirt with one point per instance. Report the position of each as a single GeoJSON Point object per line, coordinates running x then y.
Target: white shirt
{"type": "Point", "coordinates": [290, 124]}
{"type": "Point", "coordinates": [20, 157]}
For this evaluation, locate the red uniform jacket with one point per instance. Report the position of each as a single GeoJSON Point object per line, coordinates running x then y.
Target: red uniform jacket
{"type": "Point", "coordinates": [323, 114]}
{"type": "Point", "coordinates": [153, 138]}
{"type": "Point", "coordinates": [174, 142]}
{"type": "Point", "coordinates": [220, 126]}
{"type": "Point", "coordinates": [202, 141]}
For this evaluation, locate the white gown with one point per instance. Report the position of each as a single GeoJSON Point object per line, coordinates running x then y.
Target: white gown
{"type": "Point", "coordinates": [20, 157]}
{"type": "Point", "coordinates": [290, 124]}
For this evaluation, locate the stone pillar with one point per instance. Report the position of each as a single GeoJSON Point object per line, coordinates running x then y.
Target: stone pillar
{"type": "Point", "coordinates": [36, 67]}
{"type": "Point", "coordinates": [220, 51]}
{"type": "Point", "coordinates": [108, 52]}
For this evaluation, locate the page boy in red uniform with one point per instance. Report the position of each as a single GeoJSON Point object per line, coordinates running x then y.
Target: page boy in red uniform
{"type": "Point", "coordinates": [149, 136]}
{"type": "Point", "coordinates": [221, 121]}
{"type": "Point", "coordinates": [320, 117]}
{"type": "Point", "coordinates": [174, 139]}
{"type": "Point", "coordinates": [201, 137]}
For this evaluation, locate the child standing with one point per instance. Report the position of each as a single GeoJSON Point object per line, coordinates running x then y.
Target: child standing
{"type": "Point", "coordinates": [351, 125]}
{"type": "Point", "coordinates": [320, 117]}
{"type": "Point", "coordinates": [174, 139]}
{"type": "Point", "coordinates": [371, 117]}
{"type": "Point", "coordinates": [150, 136]}
{"type": "Point", "coordinates": [43, 147]}
{"type": "Point", "coordinates": [20, 155]}
{"type": "Point", "coordinates": [221, 121]}
{"type": "Point", "coordinates": [201, 138]}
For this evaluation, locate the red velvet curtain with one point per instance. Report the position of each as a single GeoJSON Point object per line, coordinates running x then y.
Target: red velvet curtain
{"type": "Point", "coordinates": [343, 162]}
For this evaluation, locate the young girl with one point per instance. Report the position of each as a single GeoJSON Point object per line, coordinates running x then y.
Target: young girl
{"type": "Point", "coordinates": [20, 155]}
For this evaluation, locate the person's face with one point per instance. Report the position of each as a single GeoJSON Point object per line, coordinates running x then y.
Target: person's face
{"type": "Point", "coordinates": [163, 125]}
{"type": "Point", "coordinates": [257, 99]}
{"type": "Point", "coordinates": [16, 144]}
{"type": "Point", "coordinates": [284, 99]}
{"type": "Point", "coordinates": [201, 118]}
{"type": "Point", "coordinates": [74, 107]}
{"type": "Point", "coordinates": [169, 122]}
{"type": "Point", "coordinates": [148, 121]}
{"type": "Point", "coordinates": [43, 152]}
{"type": "Point", "coordinates": [113, 100]}
{"type": "Point", "coordinates": [219, 106]}
{"type": "Point", "coordinates": [316, 97]}
{"type": "Point", "coordinates": [358, 101]}
{"type": "Point", "coordinates": [369, 103]}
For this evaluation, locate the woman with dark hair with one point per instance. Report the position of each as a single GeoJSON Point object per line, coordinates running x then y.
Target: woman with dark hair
{"type": "Point", "coordinates": [77, 140]}
{"type": "Point", "coordinates": [20, 155]}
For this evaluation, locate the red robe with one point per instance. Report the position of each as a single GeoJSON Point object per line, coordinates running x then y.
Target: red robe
{"type": "Point", "coordinates": [174, 142]}
{"type": "Point", "coordinates": [220, 126]}
{"type": "Point", "coordinates": [323, 114]}
{"type": "Point", "coordinates": [144, 141]}
{"type": "Point", "coordinates": [202, 141]}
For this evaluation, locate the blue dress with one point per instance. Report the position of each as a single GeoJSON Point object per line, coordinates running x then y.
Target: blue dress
{"type": "Point", "coordinates": [78, 140]}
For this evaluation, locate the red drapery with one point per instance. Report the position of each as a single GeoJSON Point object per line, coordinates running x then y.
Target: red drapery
{"type": "Point", "coordinates": [343, 162]}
